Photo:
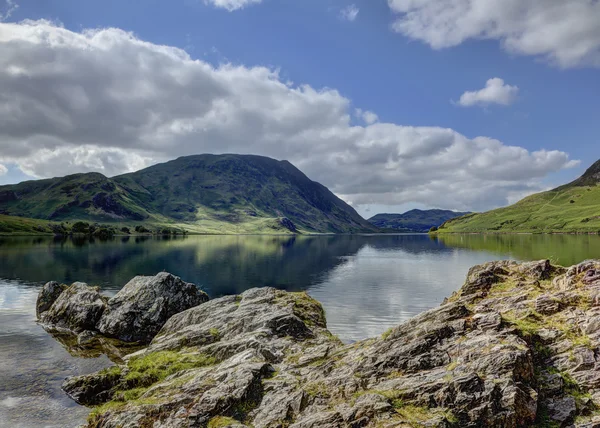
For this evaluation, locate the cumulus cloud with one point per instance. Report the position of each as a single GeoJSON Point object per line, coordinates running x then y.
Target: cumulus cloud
{"type": "Point", "coordinates": [6, 11]}
{"type": "Point", "coordinates": [495, 92]}
{"type": "Point", "coordinates": [104, 100]}
{"type": "Point", "coordinates": [3, 170]}
{"type": "Point", "coordinates": [564, 32]}
{"type": "Point", "coordinates": [232, 5]}
{"type": "Point", "coordinates": [349, 13]}
{"type": "Point", "coordinates": [367, 116]}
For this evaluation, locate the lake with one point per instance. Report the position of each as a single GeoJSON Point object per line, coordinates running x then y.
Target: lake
{"type": "Point", "coordinates": [367, 283]}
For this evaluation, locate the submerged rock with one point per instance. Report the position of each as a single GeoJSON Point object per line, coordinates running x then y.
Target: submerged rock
{"type": "Point", "coordinates": [517, 346]}
{"type": "Point", "coordinates": [77, 308]}
{"type": "Point", "coordinates": [144, 304]}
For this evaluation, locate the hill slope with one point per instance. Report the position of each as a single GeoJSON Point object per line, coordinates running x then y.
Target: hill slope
{"type": "Point", "coordinates": [574, 207]}
{"type": "Point", "coordinates": [414, 220]}
{"type": "Point", "coordinates": [210, 193]}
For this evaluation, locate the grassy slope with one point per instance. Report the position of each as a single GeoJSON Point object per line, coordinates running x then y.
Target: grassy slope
{"type": "Point", "coordinates": [23, 226]}
{"type": "Point", "coordinates": [414, 220]}
{"type": "Point", "coordinates": [91, 197]}
{"type": "Point", "coordinates": [568, 209]}
{"type": "Point", "coordinates": [227, 194]}
{"type": "Point", "coordinates": [211, 190]}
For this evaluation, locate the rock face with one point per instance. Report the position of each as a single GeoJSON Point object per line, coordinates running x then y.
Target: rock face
{"type": "Point", "coordinates": [487, 357]}
{"type": "Point", "coordinates": [141, 308]}
{"type": "Point", "coordinates": [77, 308]}
{"type": "Point", "coordinates": [48, 296]}
{"type": "Point", "coordinates": [134, 314]}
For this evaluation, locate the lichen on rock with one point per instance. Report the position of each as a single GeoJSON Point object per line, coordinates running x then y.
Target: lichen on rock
{"type": "Point", "coordinates": [517, 346]}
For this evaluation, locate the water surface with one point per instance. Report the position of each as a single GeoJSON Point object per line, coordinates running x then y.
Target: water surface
{"type": "Point", "coordinates": [366, 284]}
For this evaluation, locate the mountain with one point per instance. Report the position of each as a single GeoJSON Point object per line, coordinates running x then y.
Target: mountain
{"type": "Point", "coordinates": [414, 220]}
{"type": "Point", "coordinates": [572, 208]}
{"type": "Point", "coordinates": [207, 193]}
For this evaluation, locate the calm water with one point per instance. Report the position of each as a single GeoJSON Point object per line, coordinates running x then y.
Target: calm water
{"type": "Point", "coordinates": [366, 284]}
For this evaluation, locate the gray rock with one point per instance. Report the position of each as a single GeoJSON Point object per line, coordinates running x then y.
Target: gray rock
{"type": "Point", "coordinates": [547, 305]}
{"type": "Point", "coordinates": [140, 309]}
{"type": "Point", "coordinates": [77, 308]}
{"type": "Point", "coordinates": [47, 296]}
{"type": "Point", "coordinates": [486, 357]}
{"type": "Point", "coordinates": [562, 410]}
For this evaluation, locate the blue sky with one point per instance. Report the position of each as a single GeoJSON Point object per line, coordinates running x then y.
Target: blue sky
{"type": "Point", "coordinates": [403, 77]}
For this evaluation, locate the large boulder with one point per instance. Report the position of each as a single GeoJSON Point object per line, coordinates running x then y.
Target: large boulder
{"type": "Point", "coordinates": [77, 308]}
{"type": "Point", "coordinates": [143, 306]}
{"type": "Point", "coordinates": [486, 358]}
{"type": "Point", "coordinates": [48, 296]}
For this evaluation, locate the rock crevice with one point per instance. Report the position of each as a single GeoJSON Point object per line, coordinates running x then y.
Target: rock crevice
{"type": "Point", "coordinates": [517, 346]}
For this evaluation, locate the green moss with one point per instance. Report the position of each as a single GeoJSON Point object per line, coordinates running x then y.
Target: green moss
{"type": "Point", "coordinates": [387, 333]}
{"type": "Point", "coordinates": [221, 422]}
{"type": "Point", "coordinates": [105, 408]}
{"type": "Point", "coordinates": [304, 307]}
{"type": "Point", "coordinates": [317, 389]}
{"type": "Point", "coordinates": [214, 332]}
{"type": "Point", "coordinates": [144, 371]}
{"type": "Point", "coordinates": [148, 369]}
{"type": "Point", "coordinates": [112, 371]}
{"type": "Point", "coordinates": [452, 366]}
{"type": "Point", "coordinates": [527, 326]}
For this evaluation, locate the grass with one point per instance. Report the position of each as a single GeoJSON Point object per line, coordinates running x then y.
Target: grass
{"type": "Point", "coordinates": [316, 389]}
{"type": "Point", "coordinates": [221, 422]}
{"type": "Point", "coordinates": [144, 371]}
{"type": "Point", "coordinates": [23, 226]}
{"type": "Point", "coordinates": [568, 209]}
{"type": "Point", "coordinates": [305, 307]}
{"type": "Point", "coordinates": [226, 194]}
{"type": "Point", "coordinates": [387, 333]}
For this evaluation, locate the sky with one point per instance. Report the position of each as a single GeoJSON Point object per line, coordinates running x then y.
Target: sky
{"type": "Point", "coordinates": [392, 104]}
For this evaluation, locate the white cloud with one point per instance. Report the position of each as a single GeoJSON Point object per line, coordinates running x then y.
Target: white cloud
{"type": "Point", "coordinates": [3, 170]}
{"type": "Point", "coordinates": [367, 116]}
{"type": "Point", "coordinates": [495, 92]}
{"type": "Point", "coordinates": [10, 6]}
{"type": "Point", "coordinates": [349, 13]}
{"type": "Point", "coordinates": [232, 5]}
{"type": "Point", "coordinates": [566, 33]}
{"type": "Point", "coordinates": [104, 100]}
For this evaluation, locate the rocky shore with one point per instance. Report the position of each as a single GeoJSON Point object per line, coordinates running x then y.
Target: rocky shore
{"type": "Point", "coordinates": [517, 346]}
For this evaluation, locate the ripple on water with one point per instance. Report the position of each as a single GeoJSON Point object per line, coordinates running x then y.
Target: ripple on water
{"type": "Point", "coordinates": [34, 366]}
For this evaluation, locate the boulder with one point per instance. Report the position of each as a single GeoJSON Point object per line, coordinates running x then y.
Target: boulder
{"type": "Point", "coordinates": [143, 306]}
{"type": "Point", "coordinates": [48, 296]}
{"type": "Point", "coordinates": [515, 347]}
{"type": "Point", "coordinates": [77, 308]}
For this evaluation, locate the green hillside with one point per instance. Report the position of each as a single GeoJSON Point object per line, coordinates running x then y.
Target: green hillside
{"type": "Point", "coordinates": [414, 220]}
{"type": "Point", "coordinates": [204, 194]}
{"type": "Point", "coordinates": [572, 208]}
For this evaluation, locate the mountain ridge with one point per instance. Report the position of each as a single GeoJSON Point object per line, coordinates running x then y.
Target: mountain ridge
{"type": "Point", "coordinates": [415, 220]}
{"type": "Point", "coordinates": [236, 193]}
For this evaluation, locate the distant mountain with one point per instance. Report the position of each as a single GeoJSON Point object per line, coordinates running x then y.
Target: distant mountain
{"type": "Point", "coordinates": [209, 193]}
{"type": "Point", "coordinates": [572, 208]}
{"type": "Point", "coordinates": [414, 220]}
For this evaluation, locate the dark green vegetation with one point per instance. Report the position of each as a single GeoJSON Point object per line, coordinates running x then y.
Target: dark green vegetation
{"type": "Point", "coordinates": [414, 220]}
{"type": "Point", "coordinates": [204, 193]}
{"type": "Point", "coordinates": [10, 225]}
{"type": "Point", "coordinates": [572, 208]}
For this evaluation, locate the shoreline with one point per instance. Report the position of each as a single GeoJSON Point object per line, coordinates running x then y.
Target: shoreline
{"type": "Point", "coordinates": [509, 343]}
